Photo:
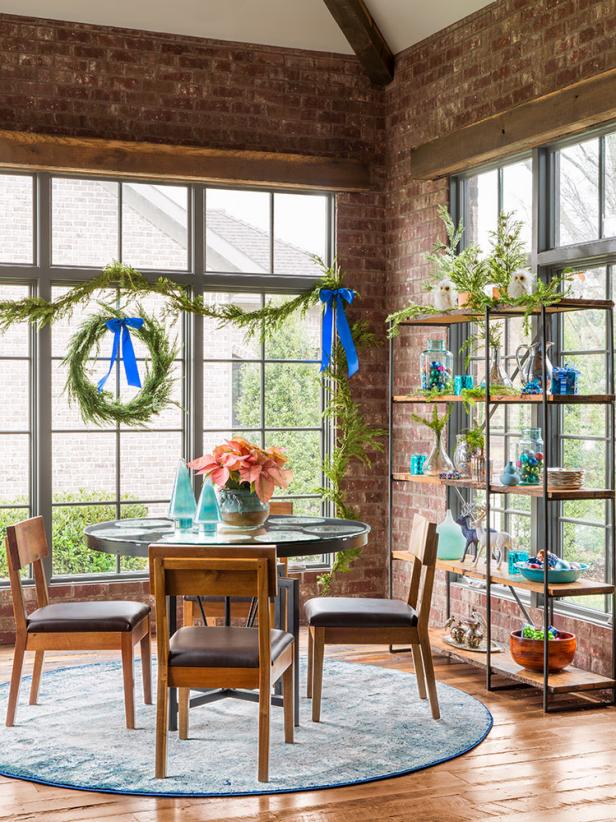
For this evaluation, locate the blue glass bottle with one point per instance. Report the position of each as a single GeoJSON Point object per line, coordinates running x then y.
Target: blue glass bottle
{"type": "Point", "coordinates": [208, 512]}
{"type": "Point", "coordinates": [183, 506]}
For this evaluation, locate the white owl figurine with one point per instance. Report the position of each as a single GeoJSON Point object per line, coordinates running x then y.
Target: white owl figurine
{"type": "Point", "coordinates": [445, 295]}
{"type": "Point", "coordinates": [522, 282]}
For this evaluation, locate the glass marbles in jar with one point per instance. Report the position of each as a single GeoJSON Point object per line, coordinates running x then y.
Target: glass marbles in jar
{"type": "Point", "coordinates": [530, 457]}
{"type": "Point", "coordinates": [436, 368]}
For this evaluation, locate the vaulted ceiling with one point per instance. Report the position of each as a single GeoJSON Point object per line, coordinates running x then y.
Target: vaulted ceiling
{"type": "Point", "coordinates": [306, 24]}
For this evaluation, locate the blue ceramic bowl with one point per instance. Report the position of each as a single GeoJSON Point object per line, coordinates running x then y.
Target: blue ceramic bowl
{"type": "Point", "coordinates": [554, 575]}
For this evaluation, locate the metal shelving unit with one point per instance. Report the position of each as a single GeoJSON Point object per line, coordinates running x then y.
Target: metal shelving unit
{"type": "Point", "coordinates": [571, 680]}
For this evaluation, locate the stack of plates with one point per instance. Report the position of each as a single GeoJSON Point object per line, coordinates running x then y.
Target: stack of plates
{"type": "Point", "coordinates": [565, 479]}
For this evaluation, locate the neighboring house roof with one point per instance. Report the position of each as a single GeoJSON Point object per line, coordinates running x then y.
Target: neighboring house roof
{"type": "Point", "coordinates": [232, 244]}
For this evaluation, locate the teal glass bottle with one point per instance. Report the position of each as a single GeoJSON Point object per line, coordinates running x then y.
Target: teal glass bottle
{"type": "Point", "coordinates": [183, 507]}
{"type": "Point", "coordinates": [451, 540]}
{"type": "Point", "coordinates": [208, 513]}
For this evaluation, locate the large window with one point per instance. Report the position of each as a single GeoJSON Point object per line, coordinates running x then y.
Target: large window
{"type": "Point", "coordinates": [230, 245]}
{"type": "Point", "coordinates": [574, 188]}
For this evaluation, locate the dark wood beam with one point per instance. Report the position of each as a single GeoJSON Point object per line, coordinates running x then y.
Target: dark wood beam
{"type": "Point", "coordinates": [567, 111]}
{"type": "Point", "coordinates": [365, 38]}
{"type": "Point", "coordinates": [44, 152]}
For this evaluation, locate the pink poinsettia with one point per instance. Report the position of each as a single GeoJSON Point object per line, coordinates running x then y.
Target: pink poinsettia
{"type": "Point", "coordinates": [238, 462]}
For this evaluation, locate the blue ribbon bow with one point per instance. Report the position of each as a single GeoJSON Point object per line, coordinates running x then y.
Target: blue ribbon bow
{"type": "Point", "coordinates": [334, 300]}
{"type": "Point", "coordinates": [121, 327]}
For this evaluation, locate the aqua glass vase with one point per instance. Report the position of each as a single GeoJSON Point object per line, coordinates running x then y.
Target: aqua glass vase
{"type": "Point", "coordinates": [183, 506]}
{"type": "Point", "coordinates": [208, 512]}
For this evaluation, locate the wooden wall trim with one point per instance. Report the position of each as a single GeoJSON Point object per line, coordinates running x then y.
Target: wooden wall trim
{"type": "Point", "coordinates": [542, 120]}
{"type": "Point", "coordinates": [43, 152]}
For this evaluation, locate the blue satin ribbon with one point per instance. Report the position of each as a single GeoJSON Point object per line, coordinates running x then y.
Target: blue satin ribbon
{"type": "Point", "coordinates": [122, 328]}
{"type": "Point", "coordinates": [334, 300]}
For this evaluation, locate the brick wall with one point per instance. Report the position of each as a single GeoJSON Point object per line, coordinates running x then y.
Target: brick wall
{"type": "Point", "coordinates": [72, 79]}
{"type": "Point", "coordinates": [503, 55]}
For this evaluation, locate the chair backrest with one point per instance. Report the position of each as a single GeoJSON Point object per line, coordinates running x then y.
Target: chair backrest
{"type": "Point", "coordinates": [189, 570]}
{"type": "Point", "coordinates": [281, 507]}
{"type": "Point", "coordinates": [422, 546]}
{"type": "Point", "coordinates": [26, 544]}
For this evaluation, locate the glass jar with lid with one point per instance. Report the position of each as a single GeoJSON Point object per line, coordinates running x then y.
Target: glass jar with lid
{"type": "Point", "coordinates": [436, 368]}
{"type": "Point", "coordinates": [530, 456]}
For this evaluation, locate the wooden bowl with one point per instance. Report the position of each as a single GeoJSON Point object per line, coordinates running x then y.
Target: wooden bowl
{"type": "Point", "coordinates": [529, 652]}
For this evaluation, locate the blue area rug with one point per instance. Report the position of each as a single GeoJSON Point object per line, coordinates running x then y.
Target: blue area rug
{"type": "Point", "coordinates": [373, 727]}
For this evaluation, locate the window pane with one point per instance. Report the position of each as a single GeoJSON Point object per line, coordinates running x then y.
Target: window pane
{"type": "Point", "coordinates": [63, 329]}
{"type": "Point", "coordinates": [71, 555]}
{"type": "Point", "coordinates": [589, 455]}
{"type": "Point", "coordinates": [590, 284]}
{"type": "Point", "coordinates": [237, 227]}
{"type": "Point", "coordinates": [518, 195]}
{"type": "Point", "coordinates": [155, 226]}
{"type": "Point", "coordinates": [9, 516]}
{"type": "Point", "coordinates": [232, 395]}
{"type": "Point", "coordinates": [15, 340]}
{"type": "Point", "coordinates": [149, 462]}
{"type": "Point", "coordinates": [16, 229]}
{"type": "Point", "coordinates": [84, 227]}
{"type": "Point", "coordinates": [229, 342]}
{"type": "Point", "coordinates": [65, 415]}
{"type": "Point", "coordinates": [213, 438]}
{"type": "Point", "coordinates": [285, 384]}
{"type": "Point", "coordinates": [15, 414]}
{"type": "Point", "coordinates": [138, 510]}
{"type": "Point", "coordinates": [298, 339]}
{"type": "Point", "coordinates": [609, 217]}
{"type": "Point", "coordinates": [303, 448]}
{"type": "Point", "coordinates": [481, 208]}
{"type": "Point", "coordinates": [300, 232]}
{"type": "Point", "coordinates": [15, 473]}
{"type": "Point", "coordinates": [578, 193]}
{"type": "Point", "coordinates": [84, 463]}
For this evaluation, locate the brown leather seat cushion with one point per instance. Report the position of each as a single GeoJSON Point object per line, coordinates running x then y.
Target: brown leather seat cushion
{"type": "Point", "coordinates": [226, 647]}
{"type": "Point", "coordinates": [359, 612]}
{"type": "Point", "coordinates": [87, 616]}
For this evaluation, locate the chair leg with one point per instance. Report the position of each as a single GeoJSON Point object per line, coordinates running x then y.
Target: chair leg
{"type": "Point", "coordinates": [146, 667]}
{"type": "Point", "coordinates": [317, 673]}
{"type": "Point", "coordinates": [183, 705]}
{"type": "Point", "coordinates": [18, 662]}
{"type": "Point", "coordinates": [310, 656]}
{"type": "Point", "coordinates": [419, 672]}
{"type": "Point", "coordinates": [264, 733]}
{"type": "Point", "coordinates": [162, 707]}
{"type": "Point", "coordinates": [288, 697]}
{"type": "Point", "coordinates": [36, 676]}
{"type": "Point", "coordinates": [129, 683]}
{"type": "Point", "coordinates": [426, 653]}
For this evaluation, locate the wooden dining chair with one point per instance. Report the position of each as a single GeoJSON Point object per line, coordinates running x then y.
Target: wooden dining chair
{"type": "Point", "coordinates": [192, 609]}
{"type": "Point", "coordinates": [69, 626]}
{"type": "Point", "coordinates": [219, 657]}
{"type": "Point", "coordinates": [364, 621]}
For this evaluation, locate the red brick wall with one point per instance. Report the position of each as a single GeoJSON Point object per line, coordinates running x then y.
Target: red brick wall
{"type": "Point", "coordinates": [101, 82]}
{"type": "Point", "coordinates": [505, 54]}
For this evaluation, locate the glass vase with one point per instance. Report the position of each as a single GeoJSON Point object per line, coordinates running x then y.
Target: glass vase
{"type": "Point", "coordinates": [530, 456]}
{"type": "Point", "coordinates": [437, 462]}
{"type": "Point", "coordinates": [208, 513]}
{"type": "Point", "coordinates": [462, 456]}
{"type": "Point", "coordinates": [436, 368]}
{"type": "Point", "coordinates": [183, 505]}
{"type": "Point", "coordinates": [498, 375]}
{"type": "Point", "coordinates": [242, 508]}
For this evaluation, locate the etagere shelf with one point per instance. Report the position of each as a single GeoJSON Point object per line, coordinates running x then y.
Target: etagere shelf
{"type": "Point", "coordinates": [570, 680]}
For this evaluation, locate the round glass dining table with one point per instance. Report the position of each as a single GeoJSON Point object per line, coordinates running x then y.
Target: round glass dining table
{"type": "Point", "coordinates": [293, 536]}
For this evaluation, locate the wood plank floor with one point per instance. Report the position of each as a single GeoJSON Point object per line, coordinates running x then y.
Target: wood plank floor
{"type": "Point", "coordinates": [532, 767]}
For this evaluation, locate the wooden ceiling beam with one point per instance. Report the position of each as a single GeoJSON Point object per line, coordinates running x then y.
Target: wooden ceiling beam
{"type": "Point", "coordinates": [44, 152]}
{"type": "Point", "coordinates": [365, 38]}
{"type": "Point", "coordinates": [543, 120]}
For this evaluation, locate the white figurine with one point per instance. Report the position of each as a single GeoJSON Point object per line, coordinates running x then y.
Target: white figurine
{"type": "Point", "coordinates": [445, 295]}
{"type": "Point", "coordinates": [522, 282]}
{"type": "Point", "coordinates": [500, 544]}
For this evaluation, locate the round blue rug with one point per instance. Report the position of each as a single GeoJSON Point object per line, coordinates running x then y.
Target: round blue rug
{"type": "Point", "coordinates": [373, 727]}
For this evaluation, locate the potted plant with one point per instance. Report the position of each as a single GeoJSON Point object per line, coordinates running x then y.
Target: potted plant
{"type": "Point", "coordinates": [245, 476]}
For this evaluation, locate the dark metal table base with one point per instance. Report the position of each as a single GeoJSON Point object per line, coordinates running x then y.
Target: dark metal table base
{"type": "Point", "coordinates": [286, 617]}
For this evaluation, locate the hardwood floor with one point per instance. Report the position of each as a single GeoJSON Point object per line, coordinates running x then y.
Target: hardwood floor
{"type": "Point", "coordinates": [531, 768]}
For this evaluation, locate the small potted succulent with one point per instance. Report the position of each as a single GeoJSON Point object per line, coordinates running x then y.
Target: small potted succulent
{"type": "Point", "coordinates": [245, 476]}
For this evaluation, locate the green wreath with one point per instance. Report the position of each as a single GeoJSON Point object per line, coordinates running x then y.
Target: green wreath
{"type": "Point", "coordinates": [99, 408]}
